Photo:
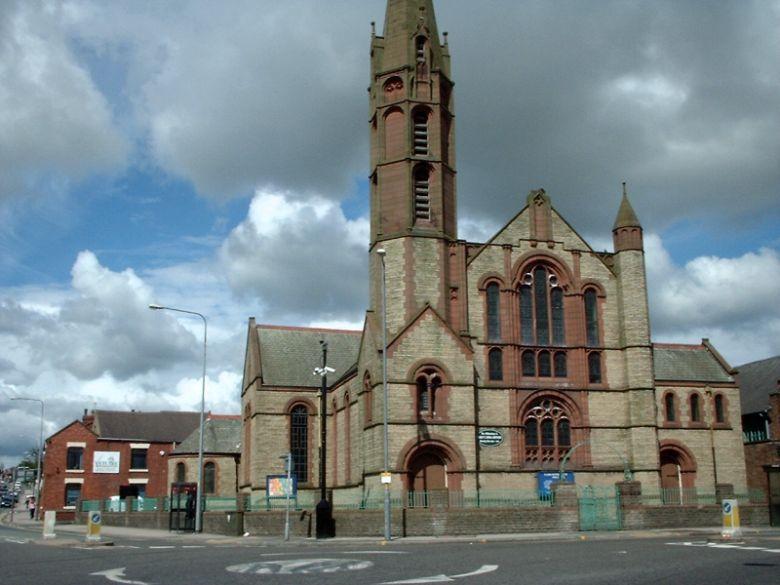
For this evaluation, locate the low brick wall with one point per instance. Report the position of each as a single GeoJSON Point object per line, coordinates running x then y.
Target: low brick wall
{"type": "Point", "coordinates": [227, 523]}
{"type": "Point", "coordinates": [644, 517]}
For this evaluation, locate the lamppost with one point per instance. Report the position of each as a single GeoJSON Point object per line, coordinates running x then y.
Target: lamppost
{"type": "Point", "coordinates": [38, 476]}
{"type": "Point", "coordinates": [198, 505]}
{"type": "Point", "coordinates": [324, 510]}
{"type": "Point", "coordinates": [386, 463]}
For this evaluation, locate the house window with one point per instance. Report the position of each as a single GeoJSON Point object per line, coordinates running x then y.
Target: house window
{"type": "Point", "coordinates": [541, 308]}
{"type": "Point", "coordinates": [669, 408]}
{"type": "Point", "coordinates": [420, 118]}
{"type": "Point", "coordinates": [547, 432]}
{"type": "Point", "coordinates": [428, 384]}
{"type": "Point", "coordinates": [72, 494]}
{"type": "Point", "coordinates": [591, 318]}
{"type": "Point", "coordinates": [209, 478]}
{"type": "Point", "coordinates": [181, 473]}
{"type": "Point", "coordinates": [75, 459]}
{"type": "Point", "coordinates": [720, 413]}
{"type": "Point", "coordinates": [422, 199]}
{"type": "Point", "coordinates": [138, 458]}
{"type": "Point", "coordinates": [695, 408]}
{"type": "Point", "coordinates": [495, 364]}
{"type": "Point", "coordinates": [299, 442]}
{"type": "Point", "coordinates": [493, 312]}
{"type": "Point", "coordinates": [594, 367]}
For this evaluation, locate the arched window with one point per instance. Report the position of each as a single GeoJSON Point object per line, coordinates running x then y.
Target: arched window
{"type": "Point", "coordinates": [299, 442]}
{"type": "Point", "coordinates": [347, 437]}
{"type": "Point", "coordinates": [560, 364]}
{"type": "Point", "coordinates": [395, 141]}
{"type": "Point", "coordinates": [368, 399]}
{"type": "Point", "coordinates": [695, 408]}
{"type": "Point", "coordinates": [669, 408]}
{"type": "Point", "coordinates": [495, 364]}
{"type": "Point", "coordinates": [591, 318]}
{"type": "Point", "coordinates": [209, 478]}
{"type": "Point", "coordinates": [594, 367]}
{"type": "Point", "coordinates": [420, 119]}
{"type": "Point", "coordinates": [181, 473]}
{"type": "Point", "coordinates": [547, 433]}
{"type": "Point", "coordinates": [545, 367]}
{"type": "Point", "coordinates": [428, 383]}
{"type": "Point", "coordinates": [720, 412]}
{"type": "Point", "coordinates": [529, 363]}
{"type": "Point", "coordinates": [541, 308]}
{"type": "Point", "coordinates": [422, 199]}
{"type": "Point", "coordinates": [493, 293]}
{"type": "Point", "coordinates": [420, 49]}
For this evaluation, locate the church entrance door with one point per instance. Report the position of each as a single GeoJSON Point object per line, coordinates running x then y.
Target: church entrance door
{"type": "Point", "coordinates": [677, 477]}
{"type": "Point", "coordinates": [428, 480]}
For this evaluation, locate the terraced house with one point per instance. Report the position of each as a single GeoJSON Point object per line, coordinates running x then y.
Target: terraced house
{"type": "Point", "coordinates": [503, 357]}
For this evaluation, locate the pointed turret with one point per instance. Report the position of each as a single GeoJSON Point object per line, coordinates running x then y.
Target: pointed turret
{"type": "Point", "coordinates": [627, 231]}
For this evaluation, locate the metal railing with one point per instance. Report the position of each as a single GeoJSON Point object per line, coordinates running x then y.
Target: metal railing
{"type": "Point", "coordinates": [754, 436]}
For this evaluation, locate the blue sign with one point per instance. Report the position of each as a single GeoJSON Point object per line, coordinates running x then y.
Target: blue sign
{"type": "Point", "coordinates": [547, 478]}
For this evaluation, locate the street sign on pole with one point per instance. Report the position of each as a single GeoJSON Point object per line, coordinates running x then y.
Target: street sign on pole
{"type": "Point", "coordinates": [731, 524]}
{"type": "Point", "coordinates": [94, 524]}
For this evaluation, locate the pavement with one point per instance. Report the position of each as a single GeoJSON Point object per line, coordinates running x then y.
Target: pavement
{"type": "Point", "coordinates": [68, 534]}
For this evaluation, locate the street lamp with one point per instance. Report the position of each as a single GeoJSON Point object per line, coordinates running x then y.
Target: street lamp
{"type": "Point", "coordinates": [324, 510]}
{"type": "Point", "coordinates": [38, 476]}
{"type": "Point", "coordinates": [382, 252]}
{"type": "Point", "coordinates": [198, 505]}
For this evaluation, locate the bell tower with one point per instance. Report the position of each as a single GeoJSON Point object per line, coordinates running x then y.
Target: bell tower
{"type": "Point", "coordinates": [412, 180]}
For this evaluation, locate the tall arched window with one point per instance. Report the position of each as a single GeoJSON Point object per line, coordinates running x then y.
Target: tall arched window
{"type": "Point", "coordinates": [669, 408]}
{"type": "Point", "coordinates": [368, 399]}
{"type": "Point", "coordinates": [395, 141]}
{"type": "Point", "coordinates": [420, 49]}
{"type": "Point", "coordinates": [560, 364]}
{"type": "Point", "coordinates": [591, 318]}
{"type": "Point", "coordinates": [529, 363]}
{"type": "Point", "coordinates": [209, 478]}
{"type": "Point", "coordinates": [695, 408]}
{"type": "Point", "coordinates": [181, 473]}
{"type": "Point", "coordinates": [720, 412]}
{"type": "Point", "coordinates": [547, 433]}
{"type": "Point", "coordinates": [493, 293]}
{"type": "Point", "coordinates": [545, 366]}
{"type": "Point", "coordinates": [347, 438]}
{"type": "Point", "coordinates": [541, 308]}
{"type": "Point", "coordinates": [422, 199]}
{"type": "Point", "coordinates": [428, 383]}
{"type": "Point", "coordinates": [495, 364]}
{"type": "Point", "coordinates": [299, 442]}
{"type": "Point", "coordinates": [420, 119]}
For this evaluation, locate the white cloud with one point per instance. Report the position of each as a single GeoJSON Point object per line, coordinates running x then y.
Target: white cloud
{"type": "Point", "coordinates": [55, 125]}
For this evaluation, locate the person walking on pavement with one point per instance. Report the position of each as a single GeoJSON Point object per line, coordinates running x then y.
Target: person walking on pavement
{"type": "Point", "coordinates": [31, 507]}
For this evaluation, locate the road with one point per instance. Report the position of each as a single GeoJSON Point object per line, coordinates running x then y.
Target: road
{"type": "Point", "coordinates": [589, 561]}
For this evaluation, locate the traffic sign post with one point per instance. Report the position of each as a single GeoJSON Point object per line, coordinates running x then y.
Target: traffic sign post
{"type": "Point", "coordinates": [94, 523]}
{"type": "Point", "coordinates": [731, 524]}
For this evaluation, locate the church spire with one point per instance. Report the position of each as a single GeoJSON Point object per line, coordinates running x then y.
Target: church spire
{"type": "Point", "coordinates": [627, 231]}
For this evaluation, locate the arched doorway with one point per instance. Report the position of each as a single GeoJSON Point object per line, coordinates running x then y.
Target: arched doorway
{"type": "Point", "coordinates": [678, 475]}
{"type": "Point", "coordinates": [427, 478]}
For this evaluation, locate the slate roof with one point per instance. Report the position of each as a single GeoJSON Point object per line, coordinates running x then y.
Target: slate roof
{"type": "Point", "coordinates": [220, 435]}
{"type": "Point", "coordinates": [688, 363]}
{"type": "Point", "coordinates": [288, 355]}
{"type": "Point", "coordinates": [758, 380]}
{"type": "Point", "coordinates": [152, 427]}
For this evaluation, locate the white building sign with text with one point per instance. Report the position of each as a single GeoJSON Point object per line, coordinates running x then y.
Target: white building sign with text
{"type": "Point", "coordinates": [105, 462]}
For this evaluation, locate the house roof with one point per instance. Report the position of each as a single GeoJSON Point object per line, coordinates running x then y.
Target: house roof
{"type": "Point", "coordinates": [757, 381]}
{"type": "Point", "coordinates": [687, 363]}
{"type": "Point", "coordinates": [154, 427]}
{"type": "Point", "coordinates": [221, 434]}
{"type": "Point", "coordinates": [288, 355]}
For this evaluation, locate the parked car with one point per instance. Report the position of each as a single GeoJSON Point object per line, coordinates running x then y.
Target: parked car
{"type": "Point", "coordinates": [7, 501]}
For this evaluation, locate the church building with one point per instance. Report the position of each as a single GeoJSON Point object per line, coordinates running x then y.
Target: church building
{"type": "Point", "coordinates": [503, 357]}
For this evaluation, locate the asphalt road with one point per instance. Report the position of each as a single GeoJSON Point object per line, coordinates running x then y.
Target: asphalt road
{"type": "Point", "coordinates": [590, 561]}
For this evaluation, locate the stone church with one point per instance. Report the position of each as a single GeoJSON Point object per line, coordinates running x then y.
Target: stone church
{"type": "Point", "coordinates": [502, 356]}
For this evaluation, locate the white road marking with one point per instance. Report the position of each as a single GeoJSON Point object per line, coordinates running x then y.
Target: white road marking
{"type": "Point", "coordinates": [444, 578]}
{"type": "Point", "coordinates": [117, 576]}
{"type": "Point", "coordinates": [193, 546]}
{"type": "Point", "coordinates": [162, 547]}
{"type": "Point", "coordinates": [300, 566]}
{"type": "Point", "coordinates": [376, 552]}
{"type": "Point", "coordinates": [16, 541]}
{"type": "Point", "coordinates": [723, 546]}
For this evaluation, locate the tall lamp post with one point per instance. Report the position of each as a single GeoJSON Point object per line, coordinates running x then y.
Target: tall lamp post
{"type": "Point", "coordinates": [324, 509]}
{"type": "Point", "coordinates": [386, 463]}
{"type": "Point", "coordinates": [39, 474]}
{"type": "Point", "coordinates": [198, 504]}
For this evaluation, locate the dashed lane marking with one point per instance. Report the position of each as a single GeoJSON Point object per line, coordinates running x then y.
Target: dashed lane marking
{"type": "Point", "coordinates": [720, 545]}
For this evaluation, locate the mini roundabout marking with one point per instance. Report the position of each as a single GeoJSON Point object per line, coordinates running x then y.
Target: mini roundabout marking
{"type": "Point", "coordinates": [300, 566]}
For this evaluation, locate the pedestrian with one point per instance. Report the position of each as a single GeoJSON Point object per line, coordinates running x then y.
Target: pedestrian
{"type": "Point", "coordinates": [31, 507]}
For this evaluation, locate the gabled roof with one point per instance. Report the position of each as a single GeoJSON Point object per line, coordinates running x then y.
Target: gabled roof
{"type": "Point", "coordinates": [288, 355]}
{"type": "Point", "coordinates": [153, 427]}
{"type": "Point", "coordinates": [221, 434]}
{"type": "Point", "coordinates": [688, 363]}
{"type": "Point", "coordinates": [757, 381]}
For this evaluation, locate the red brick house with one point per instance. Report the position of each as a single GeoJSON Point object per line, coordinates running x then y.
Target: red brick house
{"type": "Point", "coordinates": [111, 454]}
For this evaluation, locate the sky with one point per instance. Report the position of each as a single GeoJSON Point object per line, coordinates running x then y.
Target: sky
{"type": "Point", "coordinates": [214, 157]}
